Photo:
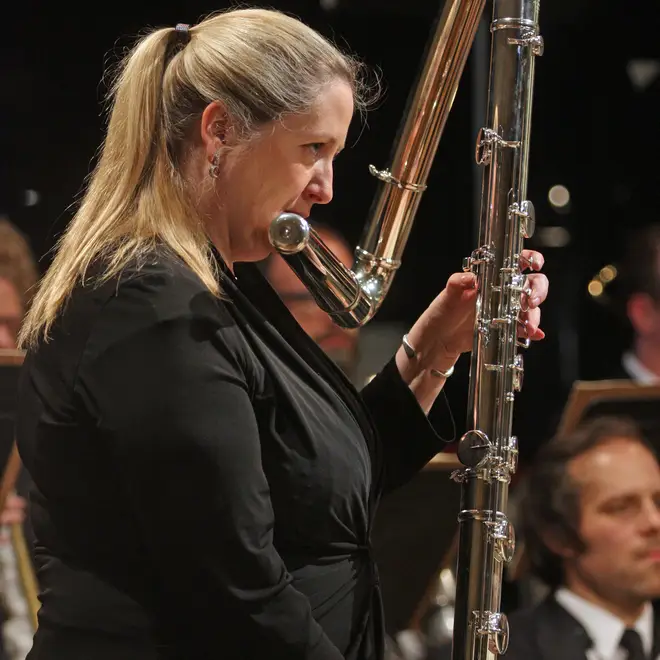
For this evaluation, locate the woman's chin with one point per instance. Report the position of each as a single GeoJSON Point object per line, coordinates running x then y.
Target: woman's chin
{"type": "Point", "coordinates": [257, 252]}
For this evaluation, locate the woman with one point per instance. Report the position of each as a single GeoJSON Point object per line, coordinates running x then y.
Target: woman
{"type": "Point", "coordinates": [166, 382]}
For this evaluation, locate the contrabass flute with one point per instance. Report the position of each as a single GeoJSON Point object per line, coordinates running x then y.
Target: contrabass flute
{"type": "Point", "coordinates": [352, 296]}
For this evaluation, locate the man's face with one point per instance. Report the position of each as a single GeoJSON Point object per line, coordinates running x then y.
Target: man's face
{"type": "Point", "coordinates": [644, 315]}
{"type": "Point", "coordinates": [11, 313]}
{"type": "Point", "coordinates": [619, 485]}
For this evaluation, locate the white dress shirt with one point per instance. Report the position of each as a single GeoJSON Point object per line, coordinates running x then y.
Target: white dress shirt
{"type": "Point", "coordinates": [637, 371]}
{"type": "Point", "coordinates": [605, 629]}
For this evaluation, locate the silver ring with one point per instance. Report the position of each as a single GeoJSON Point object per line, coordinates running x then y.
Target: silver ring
{"type": "Point", "coordinates": [412, 355]}
{"type": "Point", "coordinates": [410, 351]}
{"type": "Point", "coordinates": [442, 374]}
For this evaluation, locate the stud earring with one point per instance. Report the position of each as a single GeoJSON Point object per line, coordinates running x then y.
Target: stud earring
{"type": "Point", "coordinates": [214, 170]}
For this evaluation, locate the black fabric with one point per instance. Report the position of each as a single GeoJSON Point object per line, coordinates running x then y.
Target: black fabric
{"type": "Point", "coordinates": [548, 632]}
{"type": "Point", "coordinates": [205, 477]}
{"type": "Point", "coordinates": [543, 632]}
{"type": "Point", "coordinates": [632, 643]}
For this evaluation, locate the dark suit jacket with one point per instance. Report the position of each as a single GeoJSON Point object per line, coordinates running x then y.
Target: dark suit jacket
{"type": "Point", "coordinates": [205, 477]}
{"type": "Point", "coordinates": [546, 632]}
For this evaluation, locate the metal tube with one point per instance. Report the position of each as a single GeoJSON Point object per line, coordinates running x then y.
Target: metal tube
{"type": "Point", "coordinates": [353, 296]}
{"type": "Point", "coordinates": [488, 450]}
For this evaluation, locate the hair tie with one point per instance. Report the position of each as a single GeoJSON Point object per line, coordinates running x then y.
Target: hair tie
{"type": "Point", "coordinates": [182, 32]}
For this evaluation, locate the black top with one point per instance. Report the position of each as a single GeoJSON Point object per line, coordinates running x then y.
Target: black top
{"type": "Point", "coordinates": [205, 477]}
{"type": "Point", "coordinates": [546, 631]}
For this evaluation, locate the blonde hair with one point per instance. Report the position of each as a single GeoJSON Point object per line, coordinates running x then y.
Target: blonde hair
{"type": "Point", "coordinates": [262, 64]}
{"type": "Point", "coordinates": [17, 263]}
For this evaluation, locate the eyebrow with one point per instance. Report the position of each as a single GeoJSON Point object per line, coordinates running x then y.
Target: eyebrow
{"type": "Point", "coordinates": [620, 497]}
{"type": "Point", "coordinates": [324, 137]}
{"type": "Point", "coordinates": [338, 146]}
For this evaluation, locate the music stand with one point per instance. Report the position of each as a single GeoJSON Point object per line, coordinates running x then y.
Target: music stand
{"type": "Point", "coordinates": [589, 399]}
{"type": "Point", "coordinates": [10, 364]}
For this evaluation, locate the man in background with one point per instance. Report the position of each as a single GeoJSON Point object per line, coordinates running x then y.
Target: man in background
{"type": "Point", "coordinates": [640, 276]}
{"type": "Point", "coordinates": [18, 276]}
{"type": "Point", "coordinates": [591, 523]}
{"type": "Point", "coordinates": [338, 343]}
{"type": "Point", "coordinates": [360, 353]}
{"type": "Point", "coordinates": [633, 296]}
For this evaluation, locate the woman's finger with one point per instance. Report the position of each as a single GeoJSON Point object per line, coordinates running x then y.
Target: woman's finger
{"type": "Point", "coordinates": [531, 260]}
{"type": "Point", "coordinates": [462, 281]}
{"type": "Point", "coordinates": [528, 325]}
{"type": "Point", "coordinates": [536, 287]}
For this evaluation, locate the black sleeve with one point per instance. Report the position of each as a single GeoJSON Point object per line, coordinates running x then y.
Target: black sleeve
{"type": "Point", "coordinates": [407, 437]}
{"type": "Point", "coordinates": [171, 398]}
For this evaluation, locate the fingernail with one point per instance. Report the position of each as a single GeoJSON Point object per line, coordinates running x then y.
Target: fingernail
{"type": "Point", "coordinates": [468, 278]}
{"type": "Point", "coordinates": [535, 301]}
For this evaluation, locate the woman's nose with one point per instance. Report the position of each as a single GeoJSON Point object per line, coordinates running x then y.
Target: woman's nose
{"type": "Point", "coordinates": [320, 187]}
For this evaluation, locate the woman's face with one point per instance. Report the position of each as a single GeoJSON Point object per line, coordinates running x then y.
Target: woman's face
{"type": "Point", "coordinates": [286, 167]}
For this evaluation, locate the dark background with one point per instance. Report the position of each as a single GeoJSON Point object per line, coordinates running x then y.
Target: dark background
{"type": "Point", "coordinates": [592, 131]}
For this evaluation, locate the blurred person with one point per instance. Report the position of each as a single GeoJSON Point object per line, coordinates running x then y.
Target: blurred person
{"type": "Point", "coordinates": [591, 524]}
{"type": "Point", "coordinates": [18, 277]}
{"type": "Point", "coordinates": [633, 296]}
{"type": "Point", "coordinates": [165, 380]}
{"type": "Point", "coordinates": [340, 344]}
{"type": "Point", "coordinates": [640, 274]}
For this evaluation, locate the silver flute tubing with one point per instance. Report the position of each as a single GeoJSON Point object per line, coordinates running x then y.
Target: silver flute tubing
{"type": "Point", "coordinates": [488, 450]}
{"type": "Point", "coordinates": [352, 296]}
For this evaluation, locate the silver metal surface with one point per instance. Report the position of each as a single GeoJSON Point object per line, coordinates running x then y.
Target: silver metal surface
{"type": "Point", "coordinates": [486, 538]}
{"type": "Point", "coordinates": [353, 296]}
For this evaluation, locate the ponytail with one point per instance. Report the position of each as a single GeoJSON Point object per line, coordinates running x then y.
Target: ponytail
{"type": "Point", "coordinates": [260, 63]}
{"type": "Point", "coordinates": [135, 195]}
{"type": "Point", "coordinates": [135, 126]}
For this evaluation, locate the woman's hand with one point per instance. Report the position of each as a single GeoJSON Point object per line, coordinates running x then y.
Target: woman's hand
{"type": "Point", "coordinates": [446, 328]}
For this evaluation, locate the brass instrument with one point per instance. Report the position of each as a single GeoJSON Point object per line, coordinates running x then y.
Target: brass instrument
{"type": "Point", "coordinates": [352, 297]}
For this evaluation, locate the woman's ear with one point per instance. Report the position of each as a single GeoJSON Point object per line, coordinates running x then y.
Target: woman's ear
{"type": "Point", "coordinates": [214, 128]}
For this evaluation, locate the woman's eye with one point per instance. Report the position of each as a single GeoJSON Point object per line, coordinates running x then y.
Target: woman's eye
{"type": "Point", "coordinates": [316, 146]}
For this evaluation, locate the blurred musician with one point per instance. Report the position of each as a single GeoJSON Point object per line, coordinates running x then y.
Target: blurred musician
{"type": "Point", "coordinates": [641, 277]}
{"type": "Point", "coordinates": [633, 292]}
{"type": "Point", "coordinates": [591, 522]}
{"type": "Point", "coordinates": [339, 343]}
{"type": "Point", "coordinates": [18, 275]}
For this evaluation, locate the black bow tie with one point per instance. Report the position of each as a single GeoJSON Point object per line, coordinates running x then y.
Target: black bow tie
{"type": "Point", "coordinates": [632, 643]}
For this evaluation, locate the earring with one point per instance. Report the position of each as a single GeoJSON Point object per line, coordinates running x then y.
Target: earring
{"type": "Point", "coordinates": [214, 170]}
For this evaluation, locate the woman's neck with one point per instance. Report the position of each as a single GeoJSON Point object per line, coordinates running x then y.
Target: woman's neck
{"type": "Point", "coordinates": [221, 243]}
{"type": "Point", "coordinates": [209, 207]}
